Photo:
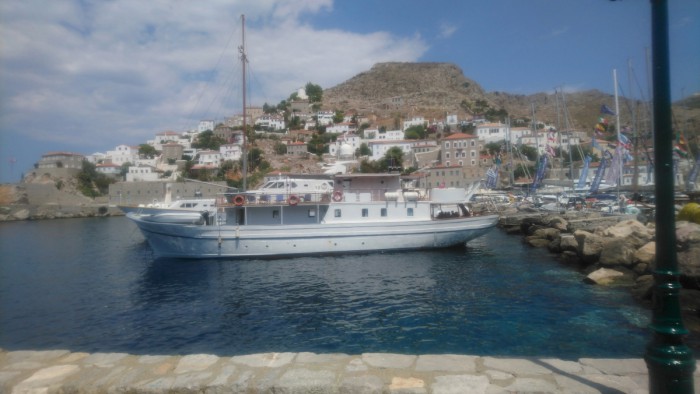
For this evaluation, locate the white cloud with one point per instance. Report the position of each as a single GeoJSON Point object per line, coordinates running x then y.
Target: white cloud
{"type": "Point", "coordinates": [107, 73]}
{"type": "Point", "coordinates": [447, 30]}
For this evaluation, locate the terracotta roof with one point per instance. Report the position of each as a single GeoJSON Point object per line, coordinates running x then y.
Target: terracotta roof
{"type": "Point", "coordinates": [459, 136]}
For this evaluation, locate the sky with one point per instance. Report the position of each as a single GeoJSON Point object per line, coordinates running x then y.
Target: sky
{"type": "Point", "coordinates": [85, 76]}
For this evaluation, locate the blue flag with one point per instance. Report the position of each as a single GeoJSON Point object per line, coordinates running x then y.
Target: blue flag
{"type": "Point", "coordinates": [605, 110]}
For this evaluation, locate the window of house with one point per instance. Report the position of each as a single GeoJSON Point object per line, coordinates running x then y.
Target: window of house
{"type": "Point", "coordinates": [447, 145]}
{"type": "Point", "coordinates": [472, 143]}
{"type": "Point", "coordinates": [447, 163]}
{"type": "Point", "coordinates": [447, 155]}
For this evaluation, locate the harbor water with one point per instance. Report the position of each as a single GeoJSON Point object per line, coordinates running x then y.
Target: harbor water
{"type": "Point", "coordinates": [93, 285]}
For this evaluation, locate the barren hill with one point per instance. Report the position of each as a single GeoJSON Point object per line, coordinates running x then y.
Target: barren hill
{"type": "Point", "coordinates": [436, 89]}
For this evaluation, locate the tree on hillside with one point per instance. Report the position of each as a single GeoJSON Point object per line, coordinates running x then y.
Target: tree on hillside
{"type": "Point", "coordinates": [417, 132]}
{"type": "Point", "coordinates": [529, 152]}
{"type": "Point", "coordinates": [314, 92]}
{"type": "Point", "coordinates": [207, 140]}
{"type": "Point", "coordinates": [92, 183]}
{"type": "Point", "coordinates": [147, 151]}
{"type": "Point", "coordinates": [338, 117]}
{"type": "Point", "coordinates": [363, 150]}
{"type": "Point", "coordinates": [393, 159]}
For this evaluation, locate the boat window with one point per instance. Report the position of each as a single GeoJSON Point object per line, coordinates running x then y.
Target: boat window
{"type": "Point", "coordinates": [275, 214]}
{"type": "Point", "coordinates": [383, 212]}
{"type": "Point", "coordinates": [337, 213]}
{"type": "Point", "coordinates": [365, 212]}
{"type": "Point", "coordinates": [294, 184]}
{"type": "Point", "coordinates": [409, 212]}
{"type": "Point", "coordinates": [312, 212]}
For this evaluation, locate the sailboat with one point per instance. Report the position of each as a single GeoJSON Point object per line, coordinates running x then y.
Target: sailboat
{"type": "Point", "coordinates": [356, 213]}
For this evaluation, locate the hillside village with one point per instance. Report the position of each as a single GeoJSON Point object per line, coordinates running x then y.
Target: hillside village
{"type": "Point", "coordinates": [445, 130]}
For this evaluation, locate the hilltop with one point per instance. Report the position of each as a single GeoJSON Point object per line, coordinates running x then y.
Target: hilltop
{"type": "Point", "coordinates": [433, 90]}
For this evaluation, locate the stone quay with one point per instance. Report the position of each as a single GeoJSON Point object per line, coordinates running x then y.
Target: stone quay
{"type": "Point", "coordinates": [63, 371]}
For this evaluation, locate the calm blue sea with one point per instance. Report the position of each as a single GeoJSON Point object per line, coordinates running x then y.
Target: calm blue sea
{"type": "Point", "coordinates": [93, 285]}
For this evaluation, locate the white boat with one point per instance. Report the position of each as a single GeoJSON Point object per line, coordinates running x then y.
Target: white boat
{"type": "Point", "coordinates": [362, 213]}
{"type": "Point", "coordinates": [179, 205]}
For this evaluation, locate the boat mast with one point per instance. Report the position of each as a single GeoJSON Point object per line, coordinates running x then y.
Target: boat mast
{"type": "Point", "coordinates": [244, 60]}
{"type": "Point", "coordinates": [617, 128]}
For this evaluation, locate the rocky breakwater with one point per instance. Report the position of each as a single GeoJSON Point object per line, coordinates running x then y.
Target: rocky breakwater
{"type": "Point", "coordinates": [615, 250]}
{"type": "Point", "coordinates": [43, 201]}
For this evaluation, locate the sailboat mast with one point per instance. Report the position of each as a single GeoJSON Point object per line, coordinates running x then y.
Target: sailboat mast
{"type": "Point", "coordinates": [617, 128]}
{"type": "Point", "coordinates": [244, 149]}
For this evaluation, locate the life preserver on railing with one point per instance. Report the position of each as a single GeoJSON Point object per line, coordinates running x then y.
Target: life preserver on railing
{"type": "Point", "coordinates": [293, 200]}
{"type": "Point", "coordinates": [239, 200]}
{"type": "Point", "coordinates": [337, 196]}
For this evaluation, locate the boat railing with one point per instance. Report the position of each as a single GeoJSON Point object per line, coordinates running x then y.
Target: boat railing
{"type": "Point", "coordinates": [336, 195]}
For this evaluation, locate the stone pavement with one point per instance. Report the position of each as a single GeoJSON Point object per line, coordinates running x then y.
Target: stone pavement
{"type": "Point", "coordinates": [61, 371]}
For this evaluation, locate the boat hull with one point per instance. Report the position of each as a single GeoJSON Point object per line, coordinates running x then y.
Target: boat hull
{"type": "Point", "coordinates": [199, 241]}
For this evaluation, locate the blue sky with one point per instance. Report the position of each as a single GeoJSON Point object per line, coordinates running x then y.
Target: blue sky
{"type": "Point", "coordinates": [87, 75]}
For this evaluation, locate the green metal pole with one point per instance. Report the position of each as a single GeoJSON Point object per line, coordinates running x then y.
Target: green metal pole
{"type": "Point", "coordinates": [669, 361]}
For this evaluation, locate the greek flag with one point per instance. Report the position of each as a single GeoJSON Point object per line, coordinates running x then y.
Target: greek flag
{"type": "Point", "coordinates": [491, 178]}
{"type": "Point", "coordinates": [604, 109]}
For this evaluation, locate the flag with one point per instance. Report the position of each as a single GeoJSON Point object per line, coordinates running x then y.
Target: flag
{"type": "Point", "coordinates": [550, 150]}
{"type": "Point", "coordinates": [624, 141]}
{"type": "Point", "coordinates": [605, 110]}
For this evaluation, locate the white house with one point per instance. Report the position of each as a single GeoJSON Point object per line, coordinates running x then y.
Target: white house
{"type": "Point", "coordinates": [108, 169]}
{"type": "Point", "coordinates": [123, 154]}
{"type": "Point", "coordinates": [390, 135]}
{"type": "Point", "coordinates": [552, 138]}
{"type": "Point", "coordinates": [141, 173]}
{"type": "Point", "coordinates": [96, 157]}
{"type": "Point", "coordinates": [268, 122]}
{"type": "Point", "coordinates": [415, 121]}
{"type": "Point", "coordinates": [205, 125]}
{"type": "Point", "coordinates": [341, 128]}
{"type": "Point", "coordinates": [379, 148]}
{"type": "Point", "coordinates": [230, 152]}
{"type": "Point", "coordinates": [325, 118]}
{"type": "Point", "coordinates": [351, 141]}
{"type": "Point", "coordinates": [209, 158]}
{"type": "Point", "coordinates": [492, 132]}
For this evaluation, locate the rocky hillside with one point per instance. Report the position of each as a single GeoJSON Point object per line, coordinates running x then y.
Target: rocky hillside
{"type": "Point", "coordinates": [434, 89]}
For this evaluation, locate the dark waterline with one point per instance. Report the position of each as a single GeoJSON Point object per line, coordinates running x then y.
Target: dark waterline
{"type": "Point", "coordinates": [92, 285]}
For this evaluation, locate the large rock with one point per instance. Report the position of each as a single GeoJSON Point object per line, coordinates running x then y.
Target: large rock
{"type": "Point", "coordinates": [546, 233]}
{"type": "Point", "coordinates": [688, 242]}
{"type": "Point", "coordinates": [617, 252]}
{"type": "Point", "coordinates": [567, 242]}
{"type": "Point", "coordinates": [634, 233]}
{"type": "Point", "coordinates": [537, 242]}
{"type": "Point", "coordinates": [643, 288]}
{"type": "Point", "coordinates": [604, 276]}
{"type": "Point", "coordinates": [646, 254]}
{"type": "Point", "coordinates": [589, 246]}
{"type": "Point", "coordinates": [687, 232]}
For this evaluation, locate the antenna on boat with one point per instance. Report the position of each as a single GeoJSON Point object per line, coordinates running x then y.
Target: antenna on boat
{"type": "Point", "coordinates": [244, 60]}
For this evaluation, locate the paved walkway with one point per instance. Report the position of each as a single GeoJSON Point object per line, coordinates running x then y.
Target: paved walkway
{"type": "Point", "coordinates": [60, 371]}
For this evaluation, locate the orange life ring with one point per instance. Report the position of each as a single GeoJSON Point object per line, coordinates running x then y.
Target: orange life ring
{"type": "Point", "coordinates": [239, 200]}
{"type": "Point", "coordinates": [337, 196]}
{"type": "Point", "coordinates": [293, 200]}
